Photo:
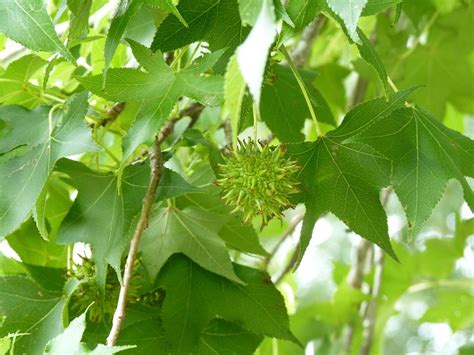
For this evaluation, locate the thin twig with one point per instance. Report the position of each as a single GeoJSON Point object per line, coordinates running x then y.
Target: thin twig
{"type": "Point", "coordinates": [302, 50]}
{"type": "Point", "coordinates": [359, 91]}
{"type": "Point", "coordinates": [355, 278]}
{"type": "Point", "coordinates": [360, 267]}
{"type": "Point", "coordinates": [193, 111]}
{"type": "Point", "coordinates": [303, 88]}
{"type": "Point", "coordinates": [288, 268]}
{"type": "Point", "coordinates": [156, 162]}
{"type": "Point", "coordinates": [371, 311]}
{"type": "Point", "coordinates": [291, 228]}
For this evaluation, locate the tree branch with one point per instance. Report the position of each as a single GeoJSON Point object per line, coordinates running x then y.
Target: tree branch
{"type": "Point", "coordinates": [302, 50]}
{"type": "Point", "coordinates": [360, 267]}
{"type": "Point", "coordinates": [291, 227]}
{"type": "Point", "coordinates": [156, 162]}
{"type": "Point", "coordinates": [193, 111]}
{"type": "Point", "coordinates": [371, 311]}
{"type": "Point", "coordinates": [355, 278]}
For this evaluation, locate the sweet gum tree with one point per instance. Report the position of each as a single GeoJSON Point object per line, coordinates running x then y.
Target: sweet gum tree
{"type": "Point", "coordinates": [217, 176]}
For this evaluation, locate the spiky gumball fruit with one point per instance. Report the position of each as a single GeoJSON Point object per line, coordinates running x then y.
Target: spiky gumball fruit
{"type": "Point", "coordinates": [257, 180]}
{"type": "Point", "coordinates": [87, 294]}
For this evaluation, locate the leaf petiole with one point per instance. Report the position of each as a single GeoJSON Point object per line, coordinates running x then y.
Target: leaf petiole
{"type": "Point", "coordinates": [303, 88]}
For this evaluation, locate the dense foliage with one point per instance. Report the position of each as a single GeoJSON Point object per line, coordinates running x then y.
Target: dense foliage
{"type": "Point", "coordinates": [236, 176]}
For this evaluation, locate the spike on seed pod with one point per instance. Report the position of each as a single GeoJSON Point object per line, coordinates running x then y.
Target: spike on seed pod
{"type": "Point", "coordinates": [257, 180]}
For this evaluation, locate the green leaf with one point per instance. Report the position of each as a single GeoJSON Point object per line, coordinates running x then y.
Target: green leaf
{"type": "Point", "coordinates": [186, 311]}
{"type": "Point", "coordinates": [208, 20]}
{"type": "Point", "coordinates": [466, 349]}
{"type": "Point", "coordinates": [23, 127]}
{"type": "Point", "coordinates": [448, 45]}
{"type": "Point", "coordinates": [368, 53]}
{"type": "Point", "coordinates": [32, 249]}
{"type": "Point", "coordinates": [234, 92]}
{"type": "Point", "coordinates": [126, 9]}
{"type": "Point", "coordinates": [237, 235]}
{"type": "Point", "coordinates": [28, 23]}
{"type": "Point", "coordinates": [302, 12]}
{"type": "Point", "coordinates": [14, 82]}
{"type": "Point", "coordinates": [169, 6]}
{"type": "Point", "coordinates": [32, 310]}
{"type": "Point", "coordinates": [221, 337]}
{"type": "Point", "coordinates": [69, 341]}
{"type": "Point", "coordinates": [5, 343]}
{"type": "Point", "coordinates": [425, 155]}
{"type": "Point", "coordinates": [349, 12]}
{"type": "Point", "coordinates": [102, 214]}
{"type": "Point", "coordinates": [241, 236]}
{"type": "Point", "coordinates": [253, 53]}
{"type": "Point", "coordinates": [448, 308]}
{"type": "Point", "coordinates": [173, 185]}
{"type": "Point", "coordinates": [283, 107]}
{"type": "Point", "coordinates": [23, 177]}
{"type": "Point", "coordinates": [9, 266]}
{"type": "Point", "coordinates": [249, 11]}
{"type": "Point", "coordinates": [373, 7]}
{"type": "Point", "coordinates": [346, 178]}
{"type": "Point", "coordinates": [79, 22]}
{"type": "Point", "coordinates": [158, 90]}
{"type": "Point", "coordinates": [218, 336]}
{"type": "Point", "coordinates": [52, 205]}
{"type": "Point", "coordinates": [190, 231]}
{"type": "Point", "coordinates": [49, 278]}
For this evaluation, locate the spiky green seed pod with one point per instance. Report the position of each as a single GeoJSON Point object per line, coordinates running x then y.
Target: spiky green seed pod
{"type": "Point", "coordinates": [257, 180]}
{"type": "Point", "coordinates": [87, 292]}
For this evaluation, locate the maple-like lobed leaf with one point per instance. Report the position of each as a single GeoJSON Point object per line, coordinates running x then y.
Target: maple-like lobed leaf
{"type": "Point", "coordinates": [426, 155]}
{"type": "Point", "coordinates": [157, 90]}
{"type": "Point", "coordinates": [345, 177]}
{"type": "Point", "coordinates": [207, 21]}
{"type": "Point", "coordinates": [187, 308]}
{"type": "Point", "coordinates": [190, 231]}
{"type": "Point", "coordinates": [27, 22]}
{"type": "Point", "coordinates": [35, 312]}
{"type": "Point", "coordinates": [23, 176]}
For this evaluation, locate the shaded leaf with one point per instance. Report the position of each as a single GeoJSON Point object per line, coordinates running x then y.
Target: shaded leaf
{"type": "Point", "coordinates": [30, 309]}
{"type": "Point", "coordinates": [22, 177]}
{"type": "Point", "coordinates": [373, 7]}
{"type": "Point", "coordinates": [14, 88]}
{"type": "Point", "coordinates": [207, 21]}
{"type": "Point", "coordinates": [170, 6]}
{"type": "Point", "coordinates": [34, 250]}
{"type": "Point", "coordinates": [368, 53]}
{"type": "Point", "coordinates": [52, 205]}
{"type": "Point", "coordinates": [173, 185]}
{"type": "Point", "coordinates": [69, 341]}
{"type": "Point", "coordinates": [102, 214]}
{"type": "Point", "coordinates": [125, 10]}
{"type": "Point", "coordinates": [221, 337]}
{"type": "Point", "coordinates": [258, 306]}
{"type": "Point", "coordinates": [79, 22]}
{"type": "Point", "coordinates": [283, 107]}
